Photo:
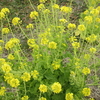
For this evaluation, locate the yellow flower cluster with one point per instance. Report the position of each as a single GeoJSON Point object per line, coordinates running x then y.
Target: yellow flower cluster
{"type": "Point", "coordinates": [71, 26]}
{"type": "Point", "coordinates": [6, 68]}
{"type": "Point", "coordinates": [56, 65]}
{"type": "Point", "coordinates": [14, 82]}
{"type": "Point", "coordinates": [26, 76]}
{"type": "Point", "coordinates": [63, 20]}
{"type": "Point", "coordinates": [91, 38]}
{"type": "Point", "coordinates": [76, 45]}
{"type": "Point", "coordinates": [5, 30]}
{"type": "Point", "coordinates": [69, 96]}
{"type": "Point", "coordinates": [16, 21]}
{"type": "Point", "coordinates": [46, 11]}
{"type": "Point", "coordinates": [2, 15]}
{"type": "Point", "coordinates": [41, 7]}
{"type": "Point", "coordinates": [65, 9]}
{"type": "Point", "coordinates": [52, 45]}
{"type": "Point", "coordinates": [5, 10]}
{"type": "Point", "coordinates": [11, 43]}
{"type": "Point", "coordinates": [56, 87]}
{"type": "Point", "coordinates": [42, 98]}
{"type": "Point", "coordinates": [42, 1]}
{"type": "Point", "coordinates": [35, 74]}
{"type": "Point", "coordinates": [43, 88]}
{"type": "Point", "coordinates": [10, 57]}
{"type": "Point", "coordinates": [25, 97]}
{"type": "Point", "coordinates": [30, 26]}
{"type": "Point", "coordinates": [86, 71]}
{"type": "Point", "coordinates": [72, 39]}
{"type": "Point", "coordinates": [44, 41]}
{"type": "Point", "coordinates": [2, 91]}
{"type": "Point", "coordinates": [86, 91]}
{"type": "Point", "coordinates": [93, 50]}
{"type": "Point", "coordinates": [88, 19]}
{"type": "Point", "coordinates": [56, 6]}
{"type": "Point", "coordinates": [95, 12]}
{"type": "Point", "coordinates": [34, 14]}
{"type": "Point", "coordinates": [81, 28]}
{"type": "Point", "coordinates": [87, 56]}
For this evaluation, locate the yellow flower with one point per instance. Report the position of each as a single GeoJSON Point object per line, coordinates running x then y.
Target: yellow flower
{"type": "Point", "coordinates": [69, 96]}
{"type": "Point", "coordinates": [71, 26]}
{"type": "Point", "coordinates": [88, 19]}
{"type": "Point", "coordinates": [30, 26]}
{"type": "Point", "coordinates": [65, 9]}
{"type": "Point", "coordinates": [46, 11]}
{"type": "Point", "coordinates": [35, 74]}
{"type": "Point", "coordinates": [10, 56]}
{"type": "Point", "coordinates": [5, 30]}
{"type": "Point", "coordinates": [52, 45]}
{"type": "Point", "coordinates": [91, 99]}
{"type": "Point", "coordinates": [55, 6]}
{"type": "Point", "coordinates": [16, 21]}
{"type": "Point", "coordinates": [6, 67]}
{"type": "Point", "coordinates": [63, 20]}
{"type": "Point", "coordinates": [92, 50]}
{"type": "Point", "coordinates": [56, 65]}
{"type": "Point", "coordinates": [14, 82]}
{"type": "Point", "coordinates": [86, 12]}
{"type": "Point", "coordinates": [76, 45]}
{"type": "Point", "coordinates": [81, 28]}
{"type": "Point", "coordinates": [87, 56]}
{"type": "Point", "coordinates": [72, 39]}
{"type": "Point", "coordinates": [86, 91]}
{"type": "Point", "coordinates": [42, 98]}
{"type": "Point", "coordinates": [26, 76]}
{"type": "Point", "coordinates": [5, 10]}
{"type": "Point", "coordinates": [43, 88]}
{"type": "Point", "coordinates": [44, 41]}
{"type": "Point", "coordinates": [34, 14]}
{"type": "Point", "coordinates": [1, 49]}
{"type": "Point", "coordinates": [41, 7]}
{"type": "Point", "coordinates": [56, 87]}
{"type": "Point", "coordinates": [1, 41]}
{"type": "Point", "coordinates": [25, 97]}
{"type": "Point", "coordinates": [42, 1]}
{"type": "Point", "coordinates": [95, 12]}
{"type": "Point", "coordinates": [2, 91]}
{"type": "Point", "coordinates": [86, 71]}
{"type": "Point", "coordinates": [2, 15]}
{"type": "Point", "coordinates": [97, 20]}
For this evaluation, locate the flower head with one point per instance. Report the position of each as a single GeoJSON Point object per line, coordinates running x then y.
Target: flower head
{"type": "Point", "coordinates": [65, 9]}
{"type": "Point", "coordinates": [86, 71]}
{"type": "Point", "coordinates": [35, 74]}
{"type": "Point", "coordinates": [5, 30]}
{"type": "Point", "coordinates": [92, 50]}
{"type": "Point", "coordinates": [88, 19]}
{"type": "Point", "coordinates": [42, 1]}
{"type": "Point", "coordinates": [2, 15]}
{"type": "Point", "coordinates": [56, 87]}
{"type": "Point", "coordinates": [69, 96]}
{"type": "Point", "coordinates": [43, 88]}
{"type": "Point", "coordinates": [2, 91]}
{"type": "Point", "coordinates": [76, 45]}
{"type": "Point", "coordinates": [86, 91]}
{"type": "Point", "coordinates": [71, 26]}
{"type": "Point", "coordinates": [5, 10]}
{"type": "Point", "coordinates": [42, 98]}
{"type": "Point", "coordinates": [34, 14]}
{"type": "Point", "coordinates": [30, 26]}
{"type": "Point", "coordinates": [52, 45]}
{"type": "Point", "coordinates": [25, 97]}
{"type": "Point", "coordinates": [16, 21]}
{"type": "Point", "coordinates": [81, 28]}
{"type": "Point", "coordinates": [55, 6]}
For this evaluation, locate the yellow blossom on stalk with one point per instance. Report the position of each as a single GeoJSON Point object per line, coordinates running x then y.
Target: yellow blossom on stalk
{"type": "Point", "coordinates": [86, 91]}
{"type": "Point", "coordinates": [11, 43]}
{"type": "Point", "coordinates": [42, 1]}
{"type": "Point", "coordinates": [2, 15]}
{"type": "Point", "coordinates": [34, 14]}
{"type": "Point", "coordinates": [40, 7]}
{"type": "Point", "coordinates": [95, 12]}
{"type": "Point", "coordinates": [2, 61]}
{"type": "Point", "coordinates": [35, 74]}
{"type": "Point", "coordinates": [56, 65]}
{"type": "Point", "coordinates": [55, 6]}
{"type": "Point", "coordinates": [25, 97]}
{"type": "Point", "coordinates": [92, 50]}
{"type": "Point", "coordinates": [98, 8]}
{"type": "Point", "coordinates": [8, 77]}
{"type": "Point", "coordinates": [72, 39]}
{"type": "Point", "coordinates": [76, 45]}
{"type": "Point", "coordinates": [14, 82]}
{"type": "Point", "coordinates": [10, 56]}
{"type": "Point", "coordinates": [26, 76]}
{"type": "Point", "coordinates": [81, 28]}
{"type": "Point", "coordinates": [6, 68]}
{"type": "Point", "coordinates": [63, 20]}
{"type": "Point", "coordinates": [44, 41]}
{"type": "Point", "coordinates": [42, 98]}
{"type": "Point", "coordinates": [31, 42]}
{"type": "Point", "coordinates": [97, 20]}
{"type": "Point", "coordinates": [30, 26]}
{"type": "Point", "coordinates": [5, 10]}
{"type": "Point", "coordinates": [87, 56]}
{"type": "Point", "coordinates": [46, 11]}
{"type": "Point", "coordinates": [1, 41]}
{"type": "Point", "coordinates": [69, 96]}
{"type": "Point", "coordinates": [16, 21]}
{"type": "Point", "coordinates": [65, 9]}
{"type": "Point", "coordinates": [5, 30]}
{"type": "Point", "coordinates": [56, 87]}
{"type": "Point", "coordinates": [2, 91]}
{"type": "Point", "coordinates": [52, 45]}
{"type": "Point", "coordinates": [88, 19]}
{"type": "Point", "coordinates": [86, 12]}
{"type": "Point", "coordinates": [91, 99]}
{"type": "Point", "coordinates": [43, 88]}
{"type": "Point", "coordinates": [86, 71]}
{"type": "Point", "coordinates": [71, 26]}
